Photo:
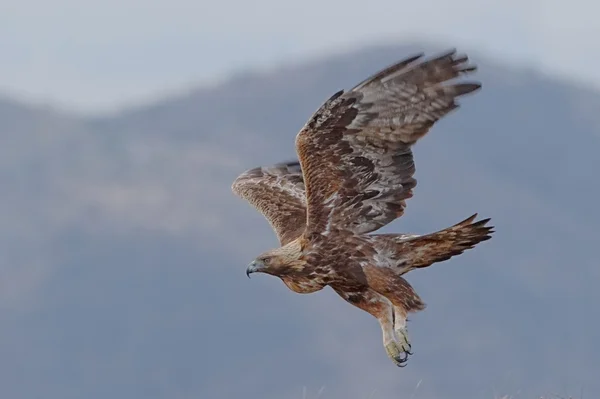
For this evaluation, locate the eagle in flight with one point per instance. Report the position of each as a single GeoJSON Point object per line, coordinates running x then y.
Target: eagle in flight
{"type": "Point", "coordinates": [354, 174]}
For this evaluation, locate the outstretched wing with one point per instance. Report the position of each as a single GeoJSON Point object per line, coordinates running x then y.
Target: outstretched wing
{"type": "Point", "coordinates": [277, 192]}
{"type": "Point", "coordinates": [355, 151]}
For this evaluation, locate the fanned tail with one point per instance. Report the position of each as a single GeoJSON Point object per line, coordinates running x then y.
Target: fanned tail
{"type": "Point", "coordinates": [422, 251]}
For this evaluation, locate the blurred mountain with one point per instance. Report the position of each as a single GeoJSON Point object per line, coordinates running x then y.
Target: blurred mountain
{"type": "Point", "coordinates": [123, 251]}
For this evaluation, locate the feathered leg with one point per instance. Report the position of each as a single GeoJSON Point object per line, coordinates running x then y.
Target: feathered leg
{"type": "Point", "coordinates": [382, 309]}
{"type": "Point", "coordinates": [401, 294]}
{"type": "Point", "coordinates": [400, 316]}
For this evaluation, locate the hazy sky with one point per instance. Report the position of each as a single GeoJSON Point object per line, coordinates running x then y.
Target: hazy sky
{"type": "Point", "coordinates": [95, 56]}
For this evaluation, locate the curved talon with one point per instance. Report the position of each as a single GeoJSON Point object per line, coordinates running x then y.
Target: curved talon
{"type": "Point", "coordinates": [402, 362]}
{"type": "Point", "coordinates": [397, 353]}
{"type": "Point", "coordinates": [402, 357]}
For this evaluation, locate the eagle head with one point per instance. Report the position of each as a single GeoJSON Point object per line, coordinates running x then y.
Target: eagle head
{"type": "Point", "coordinates": [278, 261]}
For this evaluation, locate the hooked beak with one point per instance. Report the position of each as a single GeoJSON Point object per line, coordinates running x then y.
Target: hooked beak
{"type": "Point", "coordinates": [254, 267]}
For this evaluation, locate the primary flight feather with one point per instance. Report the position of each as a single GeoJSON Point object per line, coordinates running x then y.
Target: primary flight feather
{"type": "Point", "coordinates": [354, 174]}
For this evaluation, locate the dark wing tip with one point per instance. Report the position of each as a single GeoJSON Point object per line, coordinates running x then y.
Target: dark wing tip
{"type": "Point", "coordinates": [412, 58]}
{"type": "Point", "coordinates": [466, 88]}
{"type": "Point", "coordinates": [449, 52]}
{"type": "Point", "coordinates": [445, 66]}
{"type": "Point", "coordinates": [459, 61]}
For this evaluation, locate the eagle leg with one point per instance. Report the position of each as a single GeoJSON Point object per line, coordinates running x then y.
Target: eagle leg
{"type": "Point", "coordinates": [396, 345]}
{"type": "Point", "coordinates": [400, 328]}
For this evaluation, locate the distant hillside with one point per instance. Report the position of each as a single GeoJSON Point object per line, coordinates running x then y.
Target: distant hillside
{"type": "Point", "coordinates": [123, 250]}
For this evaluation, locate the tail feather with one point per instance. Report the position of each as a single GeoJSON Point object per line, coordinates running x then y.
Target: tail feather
{"type": "Point", "coordinates": [423, 251]}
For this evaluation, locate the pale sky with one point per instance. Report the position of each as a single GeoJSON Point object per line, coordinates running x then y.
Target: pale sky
{"type": "Point", "coordinates": [97, 56]}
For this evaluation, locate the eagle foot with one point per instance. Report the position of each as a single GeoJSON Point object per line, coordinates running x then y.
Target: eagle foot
{"type": "Point", "coordinates": [396, 352]}
{"type": "Point", "coordinates": [403, 341]}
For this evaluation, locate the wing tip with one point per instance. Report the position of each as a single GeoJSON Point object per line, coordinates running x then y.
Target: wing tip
{"type": "Point", "coordinates": [253, 175]}
{"type": "Point", "coordinates": [451, 61]}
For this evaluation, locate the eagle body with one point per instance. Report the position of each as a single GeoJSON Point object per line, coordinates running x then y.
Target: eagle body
{"type": "Point", "coordinates": [354, 174]}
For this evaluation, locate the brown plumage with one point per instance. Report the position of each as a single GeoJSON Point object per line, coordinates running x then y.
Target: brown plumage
{"type": "Point", "coordinates": [354, 174]}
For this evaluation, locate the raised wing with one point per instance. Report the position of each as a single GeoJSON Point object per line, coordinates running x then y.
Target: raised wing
{"type": "Point", "coordinates": [277, 192]}
{"type": "Point", "coordinates": [355, 151]}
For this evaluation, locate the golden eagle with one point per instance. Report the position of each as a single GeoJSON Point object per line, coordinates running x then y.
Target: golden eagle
{"type": "Point", "coordinates": [354, 174]}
